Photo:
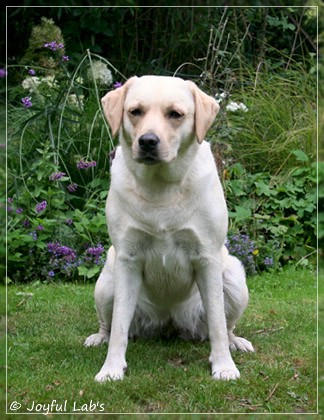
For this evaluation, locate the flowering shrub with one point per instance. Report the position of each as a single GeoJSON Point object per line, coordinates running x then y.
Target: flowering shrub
{"type": "Point", "coordinates": [58, 163]}
{"type": "Point", "coordinates": [277, 215]}
{"type": "Point", "coordinates": [242, 247]}
{"type": "Point", "coordinates": [46, 48]}
{"type": "Point", "coordinates": [100, 72]}
{"type": "Point", "coordinates": [254, 258]}
{"type": "Point", "coordinates": [59, 148]}
{"type": "Point", "coordinates": [36, 253]}
{"type": "Point", "coordinates": [64, 260]}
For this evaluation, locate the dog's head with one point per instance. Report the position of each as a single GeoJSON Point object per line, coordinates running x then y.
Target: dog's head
{"type": "Point", "coordinates": [159, 116]}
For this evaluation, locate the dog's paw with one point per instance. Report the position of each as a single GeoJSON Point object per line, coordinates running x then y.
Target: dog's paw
{"type": "Point", "coordinates": [225, 372]}
{"type": "Point", "coordinates": [240, 344]}
{"type": "Point", "coordinates": [111, 374]}
{"type": "Point", "coordinates": [95, 340]}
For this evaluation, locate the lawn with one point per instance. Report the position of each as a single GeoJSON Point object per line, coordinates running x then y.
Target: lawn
{"type": "Point", "coordinates": [48, 364]}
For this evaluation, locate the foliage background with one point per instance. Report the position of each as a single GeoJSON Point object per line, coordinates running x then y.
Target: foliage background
{"type": "Point", "coordinates": [265, 156]}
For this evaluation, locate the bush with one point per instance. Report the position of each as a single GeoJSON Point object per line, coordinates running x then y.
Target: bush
{"type": "Point", "coordinates": [58, 170]}
{"type": "Point", "coordinates": [264, 141]}
{"type": "Point", "coordinates": [278, 213]}
{"type": "Point", "coordinates": [59, 147]}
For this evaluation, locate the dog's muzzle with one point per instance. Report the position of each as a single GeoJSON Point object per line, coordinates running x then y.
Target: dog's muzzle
{"type": "Point", "coordinates": [149, 149]}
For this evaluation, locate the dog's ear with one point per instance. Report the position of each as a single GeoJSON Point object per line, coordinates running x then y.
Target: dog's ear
{"type": "Point", "coordinates": [206, 109]}
{"type": "Point", "coordinates": [113, 105]}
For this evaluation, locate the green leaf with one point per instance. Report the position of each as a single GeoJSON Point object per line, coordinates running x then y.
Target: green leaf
{"type": "Point", "coordinates": [241, 213]}
{"type": "Point", "coordinates": [93, 271]}
{"type": "Point", "coordinates": [262, 188]}
{"type": "Point", "coordinates": [88, 272]}
{"type": "Point", "coordinates": [300, 155]}
{"type": "Point", "coordinates": [82, 270]}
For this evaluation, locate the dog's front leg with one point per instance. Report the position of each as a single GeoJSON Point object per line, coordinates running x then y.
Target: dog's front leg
{"type": "Point", "coordinates": [210, 284]}
{"type": "Point", "coordinates": [127, 282]}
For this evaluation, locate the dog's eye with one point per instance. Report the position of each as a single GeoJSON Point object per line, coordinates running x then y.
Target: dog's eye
{"type": "Point", "coordinates": [174, 115]}
{"type": "Point", "coordinates": [136, 112]}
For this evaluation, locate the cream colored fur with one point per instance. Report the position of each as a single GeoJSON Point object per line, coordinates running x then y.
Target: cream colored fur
{"type": "Point", "coordinates": [167, 221]}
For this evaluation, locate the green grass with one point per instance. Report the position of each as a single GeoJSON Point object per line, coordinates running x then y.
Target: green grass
{"type": "Point", "coordinates": [47, 362]}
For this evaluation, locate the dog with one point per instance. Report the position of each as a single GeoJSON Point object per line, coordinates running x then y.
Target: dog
{"type": "Point", "coordinates": [167, 220]}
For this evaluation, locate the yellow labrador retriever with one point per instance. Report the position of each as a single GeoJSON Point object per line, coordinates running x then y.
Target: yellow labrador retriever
{"type": "Point", "coordinates": [167, 220]}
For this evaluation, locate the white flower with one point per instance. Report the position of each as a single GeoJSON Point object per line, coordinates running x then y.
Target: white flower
{"type": "Point", "coordinates": [231, 106]}
{"type": "Point", "coordinates": [31, 83]}
{"type": "Point", "coordinates": [236, 106]}
{"type": "Point", "coordinates": [220, 96]}
{"type": "Point", "coordinates": [49, 81]}
{"type": "Point", "coordinates": [100, 72]}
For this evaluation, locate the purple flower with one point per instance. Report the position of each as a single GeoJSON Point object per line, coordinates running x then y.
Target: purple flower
{"type": "Point", "coordinates": [268, 261]}
{"type": "Point", "coordinates": [69, 222]}
{"type": "Point", "coordinates": [72, 187]}
{"type": "Point", "coordinates": [51, 273]}
{"type": "Point", "coordinates": [117, 85]}
{"type": "Point", "coordinates": [41, 206]}
{"type": "Point", "coordinates": [26, 223]}
{"type": "Point", "coordinates": [40, 227]}
{"type": "Point", "coordinates": [33, 235]}
{"type": "Point", "coordinates": [3, 73]}
{"type": "Point", "coordinates": [95, 252]}
{"type": "Point", "coordinates": [65, 58]}
{"type": "Point", "coordinates": [27, 102]}
{"type": "Point", "coordinates": [82, 164]}
{"type": "Point", "coordinates": [243, 247]}
{"type": "Point", "coordinates": [61, 251]}
{"type": "Point", "coordinates": [19, 210]}
{"type": "Point", "coordinates": [10, 200]}
{"type": "Point", "coordinates": [31, 72]}
{"type": "Point", "coordinates": [56, 175]}
{"type": "Point", "coordinates": [53, 46]}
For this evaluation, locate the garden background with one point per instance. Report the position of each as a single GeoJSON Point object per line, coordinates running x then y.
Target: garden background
{"type": "Point", "coordinates": [259, 62]}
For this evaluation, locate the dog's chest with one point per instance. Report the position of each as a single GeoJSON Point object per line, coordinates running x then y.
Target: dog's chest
{"type": "Point", "coordinates": [167, 264]}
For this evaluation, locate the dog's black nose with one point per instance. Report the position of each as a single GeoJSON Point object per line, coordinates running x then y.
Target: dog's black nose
{"type": "Point", "coordinates": [148, 142]}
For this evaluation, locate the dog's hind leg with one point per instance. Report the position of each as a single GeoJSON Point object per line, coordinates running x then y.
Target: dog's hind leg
{"type": "Point", "coordinates": [236, 298]}
{"type": "Point", "coordinates": [104, 299]}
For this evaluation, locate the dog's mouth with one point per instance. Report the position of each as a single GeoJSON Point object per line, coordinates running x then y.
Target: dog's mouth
{"type": "Point", "coordinates": [148, 159]}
